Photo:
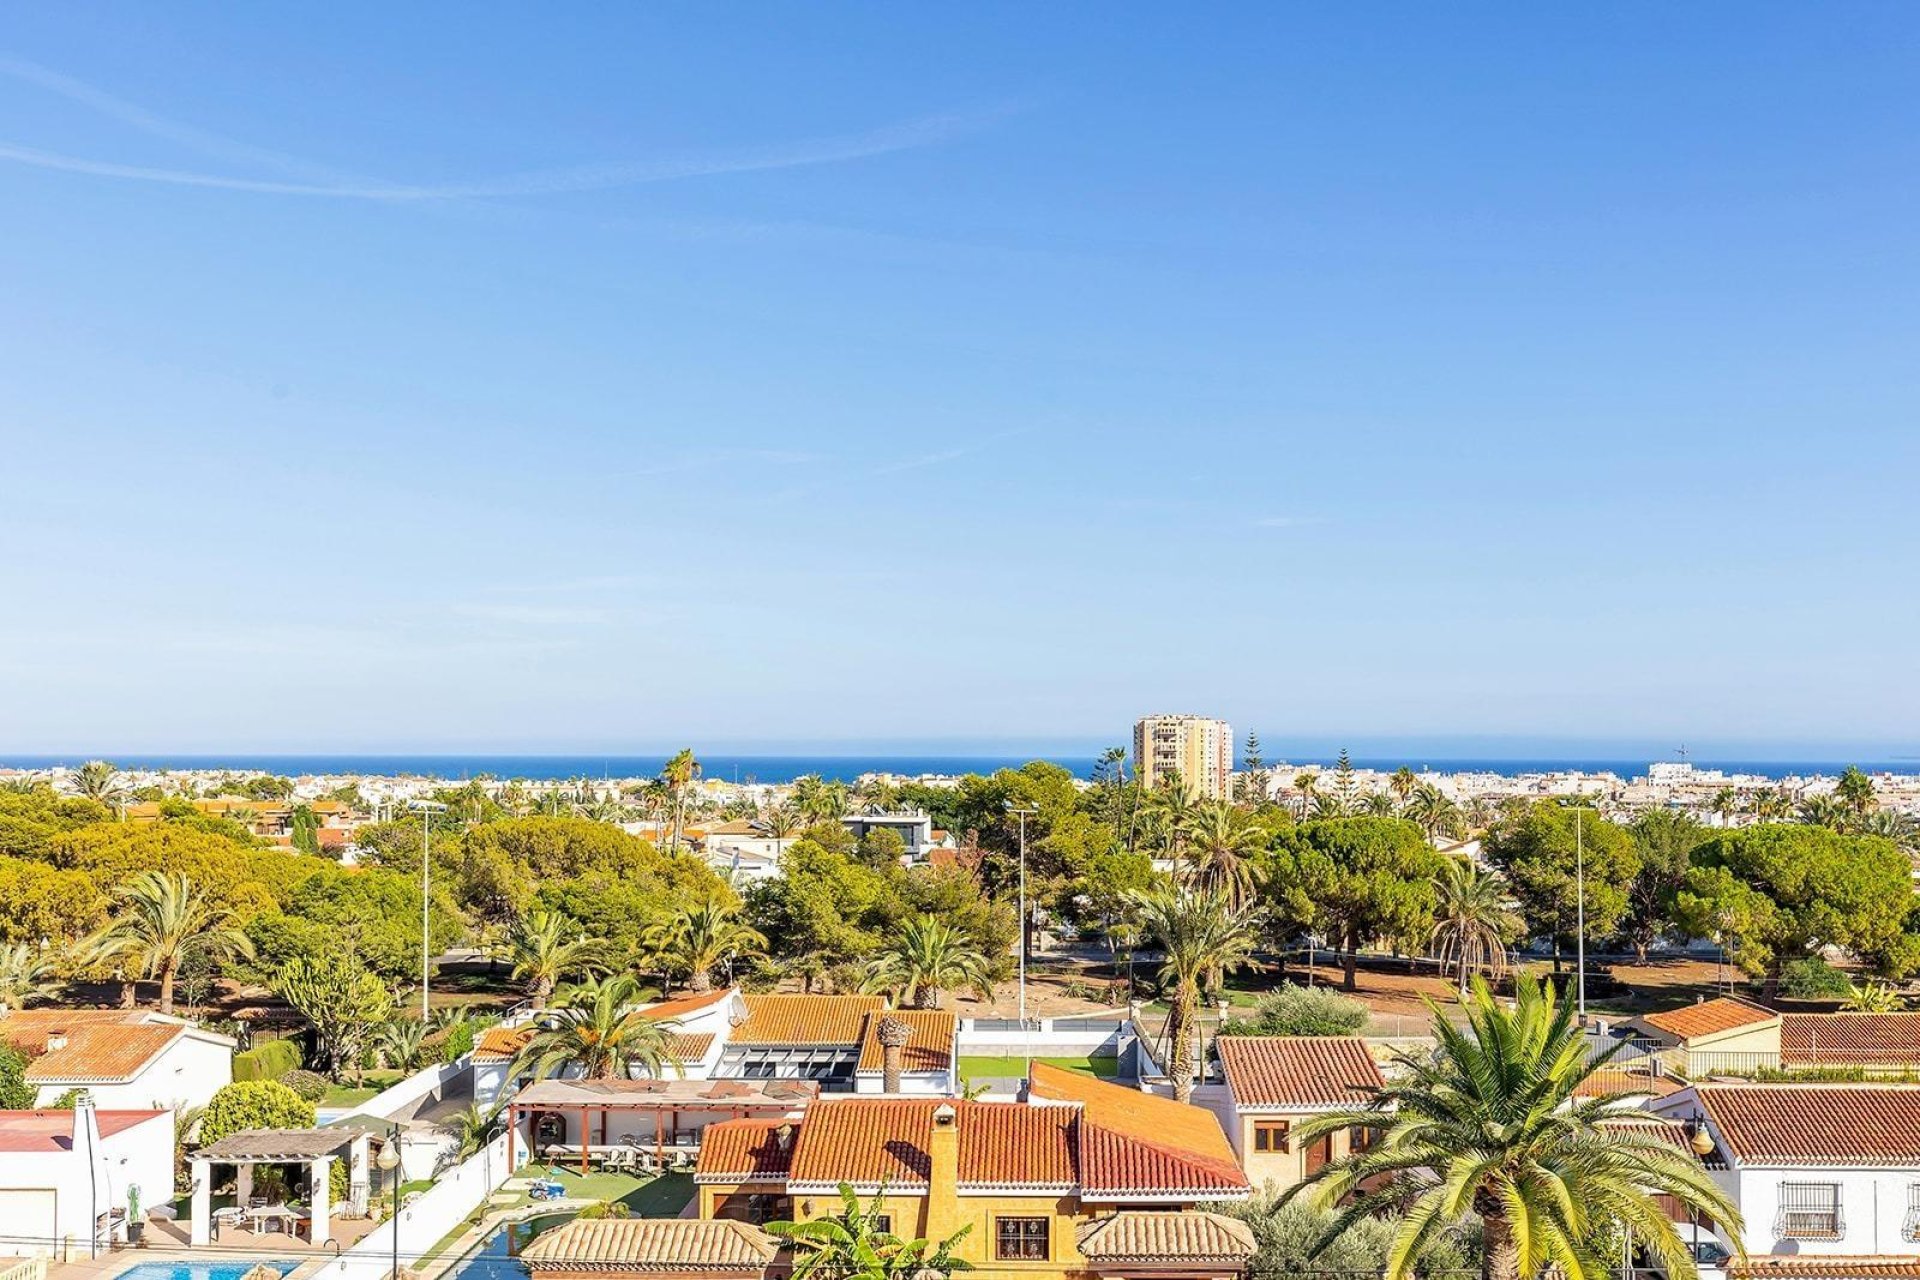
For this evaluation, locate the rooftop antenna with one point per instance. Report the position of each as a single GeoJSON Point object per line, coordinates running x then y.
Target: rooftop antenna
{"type": "Point", "coordinates": [1681, 751]}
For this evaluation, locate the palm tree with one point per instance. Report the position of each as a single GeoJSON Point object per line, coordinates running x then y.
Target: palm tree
{"type": "Point", "coordinates": [819, 799]}
{"type": "Point", "coordinates": [1855, 791]}
{"type": "Point", "coordinates": [1434, 812]}
{"type": "Point", "coordinates": [547, 948]}
{"type": "Point", "coordinates": [399, 1042]}
{"type": "Point", "coordinates": [1726, 802]}
{"type": "Point", "coordinates": [851, 1246]}
{"type": "Point", "coordinates": [1493, 1124]}
{"type": "Point", "coordinates": [98, 780]}
{"type": "Point", "coordinates": [599, 1027]}
{"type": "Point", "coordinates": [1201, 937]}
{"type": "Point", "coordinates": [26, 975]}
{"type": "Point", "coordinates": [1823, 811]}
{"type": "Point", "coordinates": [1380, 804]}
{"type": "Point", "coordinates": [474, 1126]}
{"type": "Point", "coordinates": [926, 957]}
{"type": "Point", "coordinates": [1872, 997]}
{"type": "Point", "coordinates": [1402, 783]}
{"type": "Point", "coordinates": [700, 940]}
{"type": "Point", "coordinates": [678, 775]}
{"type": "Point", "coordinates": [1220, 840]}
{"type": "Point", "coordinates": [1307, 785]}
{"type": "Point", "coordinates": [1170, 810]}
{"type": "Point", "coordinates": [780, 822]}
{"type": "Point", "coordinates": [163, 919]}
{"type": "Point", "coordinates": [1471, 921]}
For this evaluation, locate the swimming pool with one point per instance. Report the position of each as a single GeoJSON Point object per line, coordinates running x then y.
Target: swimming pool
{"type": "Point", "coordinates": [187, 1269]}
{"type": "Point", "coordinates": [496, 1257]}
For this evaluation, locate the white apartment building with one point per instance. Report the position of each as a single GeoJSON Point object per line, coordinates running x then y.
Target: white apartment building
{"type": "Point", "coordinates": [1198, 749]}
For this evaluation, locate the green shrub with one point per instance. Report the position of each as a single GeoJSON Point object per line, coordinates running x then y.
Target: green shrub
{"type": "Point", "coordinates": [253, 1104]}
{"type": "Point", "coordinates": [269, 1060]}
{"type": "Point", "coordinates": [459, 1042]}
{"type": "Point", "coordinates": [1301, 1011]}
{"type": "Point", "coordinates": [310, 1085]}
{"type": "Point", "coordinates": [15, 1093]}
{"type": "Point", "coordinates": [1813, 978]}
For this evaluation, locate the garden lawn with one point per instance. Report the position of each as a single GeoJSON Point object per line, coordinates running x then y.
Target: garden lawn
{"type": "Point", "coordinates": [978, 1066]}
{"type": "Point", "coordinates": [663, 1196]}
{"type": "Point", "coordinates": [346, 1095]}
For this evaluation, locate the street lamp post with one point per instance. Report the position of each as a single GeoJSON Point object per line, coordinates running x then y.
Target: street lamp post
{"type": "Point", "coordinates": [1580, 914]}
{"type": "Point", "coordinates": [426, 809]}
{"type": "Point", "coordinates": [1026, 1039]}
{"type": "Point", "coordinates": [389, 1162]}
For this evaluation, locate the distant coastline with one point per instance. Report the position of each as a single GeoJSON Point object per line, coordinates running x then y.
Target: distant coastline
{"type": "Point", "coordinates": [785, 768]}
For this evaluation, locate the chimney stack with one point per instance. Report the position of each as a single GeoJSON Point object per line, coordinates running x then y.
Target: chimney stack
{"type": "Point", "coordinates": [893, 1035]}
{"type": "Point", "coordinates": [56, 1041]}
{"type": "Point", "coordinates": [943, 1173]}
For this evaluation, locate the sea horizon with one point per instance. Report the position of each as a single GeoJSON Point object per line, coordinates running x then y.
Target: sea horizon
{"type": "Point", "coordinates": [775, 768]}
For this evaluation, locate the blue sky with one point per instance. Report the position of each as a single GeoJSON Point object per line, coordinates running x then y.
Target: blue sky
{"type": "Point", "coordinates": [482, 377]}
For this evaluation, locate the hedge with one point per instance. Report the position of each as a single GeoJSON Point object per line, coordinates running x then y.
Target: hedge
{"type": "Point", "coordinates": [269, 1060]}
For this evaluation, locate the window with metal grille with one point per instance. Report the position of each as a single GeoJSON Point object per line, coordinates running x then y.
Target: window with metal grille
{"type": "Point", "coordinates": [1020, 1239]}
{"type": "Point", "coordinates": [1810, 1210]}
{"type": "Point", "coordinates": [1910, 1228]}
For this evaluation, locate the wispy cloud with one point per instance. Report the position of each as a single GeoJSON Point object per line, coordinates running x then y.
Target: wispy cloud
{"type": "Point", "coordinates": [319, 181]}
{"type": "Point", "coordinates": [705, 459]}
{"type": "Point", "coordinates": [944, 455]}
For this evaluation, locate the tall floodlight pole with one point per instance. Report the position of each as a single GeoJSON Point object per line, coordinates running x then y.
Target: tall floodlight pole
{"type": "Point", "coordinates": [1025, 1039]}
{"type": "Point", "coordinates": [426, 809]}
{"type": "Point", "coordinates": [1580, 912]}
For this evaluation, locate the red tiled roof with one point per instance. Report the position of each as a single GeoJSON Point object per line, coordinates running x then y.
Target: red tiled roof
{"type": "Point", "coordinates": [53, 1130]}
{"type": "Point", "coordinates": [499, 1043]}
{"type": "Point", "coordinates": [1138, 1142]}
{"type": "Point", "coordinates": [1160, 1236]}
{"type": "Point", "coordinates": [1299, 1071]}
{"type": "Point", "coordinates": [692, 1002]}
{"type": "Point", "coordinates": [1816, 1124]}
{"type": "Point", "coordinates": [868, 1140]}
{"type": "Point", "coordinates": [652, 1244]}
{"type": "Point", "coordinates": [1841, 1038]}
{"type": "Point", "coordinates": [1709, 1017]}
{"type": "Point", "coordinates": [746, 1150]}
{"type": "Point", "coordinates": [103, 1054]}
{"type": "Point", "coordinates": [928, 1048]}
{"type": "Point", "coordinates": [1831, 1266]}
{"type": "Point", "coordinates": [785, 1019]}
{"type": "Point", "coordinates": [27, 1029]}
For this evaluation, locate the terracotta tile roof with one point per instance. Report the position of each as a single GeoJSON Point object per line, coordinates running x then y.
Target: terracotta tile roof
{"type": "Point", "coordinates": [1134, 1142]}
{"type": "Point", "coordinates": [867, 1140]}
{"type": "Point", "coordinates": [1864, 1038]}
{"type": "Point", "coordinates": [1709, 1018]}
{"type": "Point", "coordinates": [1832, 1266]}
{"type": "Point", "coordinates": [501, 1042]}
{"type": "Point", "coordinates": [27, 1029]}
{"type": "Point", "coordinates": [928, 1048]}
{"type": "Point", "coordinates": [1165, 1237]}
{"type": "Point", "coordinates": [1299, 1071]}
{"type": "Point", "coordinates": [103, 1054]}
{"type": "Point", "coordinates": [1816, 1124]}
{"type": "Point", "coordinates": [782, 1019]}
{"type": "Point", "coordinates": [746, 1151]}
{"type": "Point", "coordinates": [651, 1244]}
{"type": "Point", "coordinates": [682, 1005]}
{"type": "Point", "coordinates": [53, 1130]}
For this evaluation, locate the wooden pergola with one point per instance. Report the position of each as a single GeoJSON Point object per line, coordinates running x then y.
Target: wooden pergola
{"type": "Point", "coordinates": [665, 1102]}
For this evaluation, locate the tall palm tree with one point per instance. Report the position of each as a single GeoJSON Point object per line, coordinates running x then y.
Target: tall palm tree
{"type": "Point", "coordinates": [1380, 804]}
{"type": "Point", "coordinates": [926, 957]}
{"type": "Point", "coordinates": [1402, 783]}
{"type": "Point", "coordinates": [26, 975]}
{"type": "Point", "coordinates": [1471, 921]}
{"type": "Point", "coordinates": [1854, 791]}
{"type": "Point", "coordinates": [1170, 811]}
{"type": "Point", "coordinates": [1493, 1125]}
{"type": "Point", "coordinates": [1434, 811]}
{"type": "Point", "coordinates": [598, 1027]}
{"type": "Point", "coordinates": [818, 799]}
{"type": "Point", "coordinates": [700, 940]}
{"type": "Point", "coordinates": [98, 780]}
{"type": "Point", "coordinates": [1307, 785]}
{"type": "Point", "coordinates": [679, 775]}
{"type": "Point", "coordinates": [1725, 803]}
{"type": "Point", "coordinates": [1201, 937]}
{"type": "Point", "coordinates": [548, 948]}
{"type": "Point", "coordinates": [1220, 840]}
{"type": "Point", "coordinates": [780, 822]}
{"type": "Point", "coordinates": [163, 918]}
{"type": "Point", "coordinates": [1823, 811]}
{"type": "Point", "coordinates": [851, 1245]}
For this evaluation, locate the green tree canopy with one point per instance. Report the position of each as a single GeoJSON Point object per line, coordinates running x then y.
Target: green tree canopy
{"type": "Point", "coordinates": [1538, 848]}
{"type": "Point", "coordinates": [1369, 878]}
{"type": "Point", "coordinates": [372, 913]}
{"type": "Point", "coordinates": [253, 1104]}
{"type": "Point", "coordinates": [1776, 892]}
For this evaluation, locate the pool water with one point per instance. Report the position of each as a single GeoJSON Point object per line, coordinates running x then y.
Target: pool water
{"type": "Point", "coordinates": [190, 1270]}
{"type": "Point", "coordinates": [497, 1258]}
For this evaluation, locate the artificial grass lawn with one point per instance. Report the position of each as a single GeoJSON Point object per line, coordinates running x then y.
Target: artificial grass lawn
{"type": "Point", "coordinates": [978, 1066]}
{"type": "Point", "coordinates": [663, 1196]}
{"type": "Point", "coordinates": [343, 1095]}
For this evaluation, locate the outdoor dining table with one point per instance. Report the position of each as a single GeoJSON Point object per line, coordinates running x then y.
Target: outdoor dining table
{"type": "Point", "coordinates": [283, 1215]}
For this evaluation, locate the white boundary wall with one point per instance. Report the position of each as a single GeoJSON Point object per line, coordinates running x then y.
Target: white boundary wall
{"type": "Point", "coordinates": [423, 1223]}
